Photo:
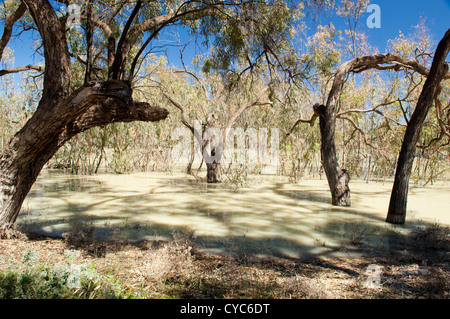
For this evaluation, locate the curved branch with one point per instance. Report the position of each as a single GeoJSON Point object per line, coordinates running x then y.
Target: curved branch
{"type": "Point", "coordinates": [156, 24]}
{"type": "Point", "coordinates": [8, 26]}
{"type": "Point", "coordinates": [100, 24]}
{"type": "Point", "coordinates": [254, 102]}
{"type": "Point", "coordinates": [21, 69]}
{"type": "Point", "coordinates": [178, 105]}
{"type": "Point", "coordinates": [122, 46]}
{"type": "Point", "coordinates": [137, 29]}
{"type": "Point", "coordinates": [311, 122]}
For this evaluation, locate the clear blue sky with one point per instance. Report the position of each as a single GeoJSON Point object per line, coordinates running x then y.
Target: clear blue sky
{"type": "Point", "coordinates": [396, 15]}
{"type": "Point", "coordinates": [402, 15]}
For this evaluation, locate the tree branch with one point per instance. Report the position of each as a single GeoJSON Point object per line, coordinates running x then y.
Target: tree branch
{"type": "Point", "coordinates": [311, 122]}
{"type": "Point", "coordinates": [254, 102]}
{"type": "Point", "coordinates": [120, 50]}
{"type": "Point", "coordinates": [21, 69]}
{"type": "Point", "coordinates": [154, 22]}
{"type": "Point", "coordinates": [185, 70]}
{"type": "Point", "coordinates": [111, 111]}
{"type": "Point", "coordinates": [89, 38]}
{"type": "Point", "coordinates": [357, 128]}
{"type": "Point", "coordinates": [57, 74]}
{"type": "Point", "coordinates": [178, 105]}
{"type": "Point", "coordinates": [8, 26]}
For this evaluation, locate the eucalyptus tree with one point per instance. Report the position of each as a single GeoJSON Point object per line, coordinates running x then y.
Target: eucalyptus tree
{"type": "Point", "coordinates": [115, 36]}
{"type": "Point", "coordinates": [254, 46]}
{"type": "Point", "coordinates": [338, 178]}
{"type": "Point", "coordinates": [327, 58]}
{"type": "Point", "coordinates": [215, 129]}
{"type": "Point", "coordinates": [438, 71]}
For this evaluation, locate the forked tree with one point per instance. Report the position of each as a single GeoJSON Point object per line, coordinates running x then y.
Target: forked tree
{"type": "Point", "coordinates": [210, 138]}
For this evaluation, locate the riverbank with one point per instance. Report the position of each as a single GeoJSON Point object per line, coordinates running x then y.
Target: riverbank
{"type": "Point", "coordinates": [179, 269]}
{"type": "Point", "coordinates": [161, 235]}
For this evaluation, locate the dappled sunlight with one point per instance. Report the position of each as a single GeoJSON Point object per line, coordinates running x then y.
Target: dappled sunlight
{"type": "Point", "coordinates": [268, 216]}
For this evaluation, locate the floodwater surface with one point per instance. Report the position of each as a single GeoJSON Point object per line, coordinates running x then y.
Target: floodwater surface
{"type": "Point", "coordinates": [268, 216]}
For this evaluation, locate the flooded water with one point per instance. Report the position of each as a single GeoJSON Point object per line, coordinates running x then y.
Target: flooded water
{"type": "Point", "coordinates": [269, 216]}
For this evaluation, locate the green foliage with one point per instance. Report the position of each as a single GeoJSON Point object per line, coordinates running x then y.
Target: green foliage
{"type": "Point", "coordinates": [40, 281]}
{"type": "Point", "coordinates": [252, 44]}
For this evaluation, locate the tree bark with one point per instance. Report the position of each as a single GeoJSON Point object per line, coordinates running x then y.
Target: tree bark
{"type": "Point", "coordinates": [29, 150]}
{"type": "Point", "coordinates": [59, 116]}
{"type": "Point", "coordinates": [213, 174]}
{"type": "Point", "coordinates": [398, 202]}
{"type": "Point", "coordinates": [338, 178]}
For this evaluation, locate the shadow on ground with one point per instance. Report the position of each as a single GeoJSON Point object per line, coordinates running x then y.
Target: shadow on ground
{"type": "Point", "coordinates": [265, 219]}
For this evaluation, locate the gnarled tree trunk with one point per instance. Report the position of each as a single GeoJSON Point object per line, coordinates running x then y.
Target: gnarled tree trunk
{"type": "Point", "coordinates": [59, 116]}
{"type": "Point", "coordinates": [31, 148]}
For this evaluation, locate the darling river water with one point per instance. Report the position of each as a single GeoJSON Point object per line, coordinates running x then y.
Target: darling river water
{"type": "Point", "coordinates": [268, 216]}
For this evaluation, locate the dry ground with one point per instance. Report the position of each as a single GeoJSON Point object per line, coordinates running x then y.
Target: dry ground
{"type": "Point", "coordinates": [177, 269]}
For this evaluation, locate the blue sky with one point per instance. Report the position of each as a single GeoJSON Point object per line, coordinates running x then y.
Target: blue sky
{"type": "Point", "coordinates": [396, 16]}
{"type": "Point", "coordinates": [402, 15]}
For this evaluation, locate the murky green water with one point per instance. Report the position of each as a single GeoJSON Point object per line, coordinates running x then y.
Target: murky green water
{"type": "Point", "coordinates": [268, 216]}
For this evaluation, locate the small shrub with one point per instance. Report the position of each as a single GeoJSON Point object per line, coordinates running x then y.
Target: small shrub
{"type": "Point", "coordinates": [53, 282]}
{"type": "Point", "coordinates": [235, 177]}
{"type": "Point", "coordinates": [81, 231]}
{"type": "Point", "coordinates": [432, 237]}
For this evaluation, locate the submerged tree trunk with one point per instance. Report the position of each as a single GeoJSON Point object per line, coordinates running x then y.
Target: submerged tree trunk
{"type": "Point", "coordinates": [337, 178]}
{"type": "Point", "coordinates": [213, 172]}
{"type": "Point", "coordinates": [29, 150]}
{"type": "Point", "coordinates": [212, 151]}
{"type": "Point", "coordinates": [398, 202]}
{"type": "Point", "coordinates": [59, 116]}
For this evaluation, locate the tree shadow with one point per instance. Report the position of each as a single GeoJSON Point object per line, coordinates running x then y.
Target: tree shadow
{"type": "Point", "coordinates": [276, 220]}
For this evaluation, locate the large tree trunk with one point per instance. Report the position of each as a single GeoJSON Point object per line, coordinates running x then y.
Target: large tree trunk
{"type": "Point", "coordinates": [337, 178]}
{"type": "Point", "coordinates": [29, 150]}
{"type": "Point", "coordinates": [398, 202]}
{"type": "Point", "coordinates": [60, 116]}
{"type": "Point", "coordinates": [18, 173]}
